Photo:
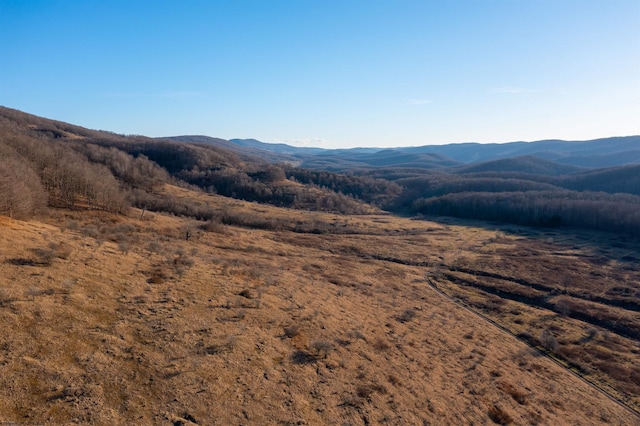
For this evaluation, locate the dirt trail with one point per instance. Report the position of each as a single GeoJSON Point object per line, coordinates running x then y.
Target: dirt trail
{"type": "Point", "coordinates": [442, 294]}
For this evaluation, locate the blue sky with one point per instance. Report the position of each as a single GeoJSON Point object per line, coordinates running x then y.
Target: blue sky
{"type": "Point", "coordinates": [328, 73]}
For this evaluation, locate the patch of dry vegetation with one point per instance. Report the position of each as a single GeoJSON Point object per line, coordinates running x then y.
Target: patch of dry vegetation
{"type": "Point", "coordinates": [573, 295]}
{"type": "Point", "coordinates": [152, 319]}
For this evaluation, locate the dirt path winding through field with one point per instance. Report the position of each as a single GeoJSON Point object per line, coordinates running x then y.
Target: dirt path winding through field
{"type": "Point", "coordinates": [442, 294]}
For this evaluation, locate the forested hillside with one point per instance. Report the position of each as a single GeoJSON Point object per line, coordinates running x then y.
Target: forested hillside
{"type": "Point", "coordinates": [50, 163]}
{"type": "Point", "coordinates": [538, 196]}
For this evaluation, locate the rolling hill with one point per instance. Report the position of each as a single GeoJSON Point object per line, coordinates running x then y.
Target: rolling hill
{"type": "Point", "coordinates": [525, 164]}
{"type": "Point", "coordinates": [154, 281]}
{"type": "Point", "coordinates": [598, 153]}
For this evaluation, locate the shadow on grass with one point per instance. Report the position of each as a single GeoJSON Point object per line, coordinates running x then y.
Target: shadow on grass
{"type": "Point", "coordinates": [302, 357]}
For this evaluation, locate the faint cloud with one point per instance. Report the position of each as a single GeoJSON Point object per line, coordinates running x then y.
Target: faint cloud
{"type": "Point", "coordinates": [511, 90]}
{"type": "Point", "coordinates": [419, 101]}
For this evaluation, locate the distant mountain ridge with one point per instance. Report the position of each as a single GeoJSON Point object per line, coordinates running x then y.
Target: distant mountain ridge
{"type": "Point", "coordinates": [625, 150]}
{"type": "Point", "coordinates": [597, 153]}
{"type": "Point", "coordinates": [528, 164]}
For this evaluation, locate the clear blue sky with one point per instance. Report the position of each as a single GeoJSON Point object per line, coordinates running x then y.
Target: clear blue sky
{"type": "Point", "coordinates": [331, 73]}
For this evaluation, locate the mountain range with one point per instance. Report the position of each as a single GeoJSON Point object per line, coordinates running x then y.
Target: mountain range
{"type": "Point", "coordinates": [589, 184]}
{"type": "Point", "coordinates": [591, 154]}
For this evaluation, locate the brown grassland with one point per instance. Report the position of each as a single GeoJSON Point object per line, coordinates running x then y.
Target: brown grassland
{"type": "Point", "coordinates": [154, 319]}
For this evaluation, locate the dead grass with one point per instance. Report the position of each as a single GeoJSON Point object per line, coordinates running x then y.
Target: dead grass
{"type": "Point", "coordinates": [164, 331]}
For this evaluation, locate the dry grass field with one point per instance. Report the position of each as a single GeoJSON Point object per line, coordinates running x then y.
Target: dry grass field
{"type": "Point", "coordinates": [577, 296]}
{"type": "Point", "coordinates": [154, 319]}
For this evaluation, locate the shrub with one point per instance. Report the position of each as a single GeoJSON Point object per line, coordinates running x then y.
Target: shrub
{"type": "Point", "coordinates": [393, 379]}
{"type": "Point", "coordinates": [407, 315]}
{"type": "Point", "coordinates": [182, 259]}
{"type": "Point", "coordinates": [158, 275]}
{"type": "Point", "coordinates": [214, 225]}
{"type": "Point", "coordinates": [234, 302]}
{"type": "Point", "coordinates": [364, 391]}
{"type": "Point", "coordinates": [548, 341]}
{"type": "Point", "coordinates": [291, 331]}
{"type": "Point", "coordinates": [322, 348]}
{"type": "Point", "coordinates": [62, 250]}
{"type": "Point", "coordinates": [355, 334]}
{"type": "Point", "coordinates": [44, 257]}
{"type": "Point", "coordinates": [124, 247]}
{"type": "Point", "coordinates": [518, 396]}
{"type": "Point", "coordinates": [71, 225]}
{"type": "Point", "coordinates": [4, 297]}
{"type": "Point", "coordinates": [499, 416]}
{"type": "Point", "coordinates": [380, 345]}
{"type": "Point", "coordinates": [32, 292]}
{"type": "Point", "coordinates": [155, 247]}
{"type": "Point", "coordinates": [90, 231]}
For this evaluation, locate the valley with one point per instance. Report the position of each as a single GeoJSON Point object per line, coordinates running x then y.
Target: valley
{"type": "Point", "coordinates": [148, 281]}
{"type": "Point", "coordinates": [127, 320]}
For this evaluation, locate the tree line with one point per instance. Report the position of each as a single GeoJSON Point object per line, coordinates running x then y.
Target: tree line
{"type": "Point", "coordinates": [35, 173]}
{"type": "Point", "coordinates": [591, 210]}
{"type": "Point", "coordinates": [48, 163]}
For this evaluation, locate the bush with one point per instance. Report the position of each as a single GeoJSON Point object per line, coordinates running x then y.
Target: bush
{"type": "Point", "coordinates": [407, 315]}
{"type": "Point", "coordinates": [291, 331]}
{"type": "Point", "coordinates": [548, 341]}
{"type": "Point", "coordinates": [321, 348]}
{"type": "Point", "coordinates": [499, 416]}
{"type": "Point", "coordinates": [380, 345]}
{"type": "Point", "coordinates": [4, 297]}
{"type": "Point", "coordinates": [44, 257]}
{"type": "Point", "coordinates": [62, 250]}
{"type": "Point", "coordinates": [518, 396]}
{"type": "Point", "coordinates": [124, 247]}
{"type": "Point", "coordinates": [366, 390]}
{"type": "Point", "coordinates": [214, 225]}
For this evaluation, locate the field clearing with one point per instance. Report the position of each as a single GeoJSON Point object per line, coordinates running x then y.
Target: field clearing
{"type": "Point", "coordinates": [154, 319]}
